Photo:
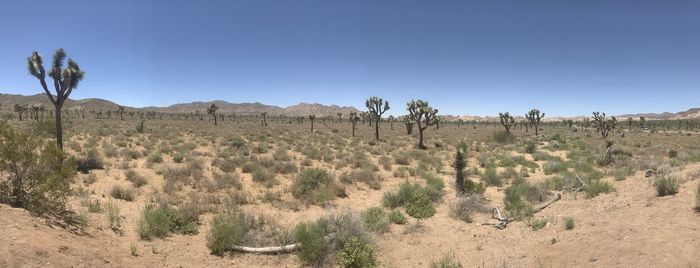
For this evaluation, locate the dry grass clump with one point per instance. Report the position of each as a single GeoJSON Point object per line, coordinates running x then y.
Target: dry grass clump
{"type": "Point", "coordinates": [123, 192]}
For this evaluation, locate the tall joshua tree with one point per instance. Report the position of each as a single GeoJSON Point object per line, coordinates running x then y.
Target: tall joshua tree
{"type": "Point", "coordinates": [534, 117]}
{"type": "Point", "coordinates": [353, 119]}
{"type": "Point", "coordinates": [65, 80]}
{"type": "Point", "coordinates": [212, 111]}
{"type": "Point", "coordinates": [312, 117]}
{"type": "Point", "coordinates": [423, 115]}
{"type": "Point", "coordinates": [377, 107]}
{"type": "Point", "coordinates": [507, 121]}
{"type": "Point", "coordinates": [604, 125]}
{"type": "Point", "coordinates": [264, 119]}
{"type": "Point", "coordinates": [340, 118]}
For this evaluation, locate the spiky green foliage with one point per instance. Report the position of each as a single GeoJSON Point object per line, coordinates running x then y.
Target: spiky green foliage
{"type": "Point", "coordinates": [604, 125]}
{"type": "Point", "coordinates": [507, 121]}
{"type": "Point", "coordinates": [424, 116]}
{"type": "Point", "coordinates": [459, 164]}
{"type": "Point", "coordinates": [377, 107]}
{"type": "Point", "coordinates": [212, 111]}
{"type": "Point", "coordinates": [353, 120]}
{"type": "Point", "coordinates": [65, 81]}
{"type": "Point", "coordinates": [534, 117]}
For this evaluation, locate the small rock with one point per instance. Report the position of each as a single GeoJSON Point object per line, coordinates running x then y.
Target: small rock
{"type": "Point", "coordinates": [594, 259]}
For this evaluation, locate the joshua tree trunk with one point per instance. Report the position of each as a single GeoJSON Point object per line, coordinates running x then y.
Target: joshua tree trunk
{"type": "Point", "coordinates": [420, 137]}
{"type": "Point", "coordinates": [59, 126]}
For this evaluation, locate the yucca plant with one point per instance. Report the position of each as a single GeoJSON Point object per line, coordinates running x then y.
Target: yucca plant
{"type": "Point", "coordinates": [65, 81]}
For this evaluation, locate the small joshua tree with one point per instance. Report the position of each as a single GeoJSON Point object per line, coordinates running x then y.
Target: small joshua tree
{"type": "Point", "coordinates": [377, 107]}
{"type": "Point", "coordinates": [459, 165]}
{"type": "Point", "coordinates": [65, 81]}
{"type": "Point", "coordinates": [604, 125]}
{"type": "Point", "coordinates": [264, 119]}
{"type": "Point", "coordinates": [353, 119]}
{"type": "Point", "coordinates": [507, 121]}
{"type": "Point", "coordinates": [312, 118]}
{"type": "Point", "coordinates": [340, 118]}
{"type": "Point", "coordinates": [570, 123]}
{"type": "Point", "coordinates": [424, 116]}
{"type": "Point", "coordinates": [534, 117]}
{"type": "Point", "coordinates": [629, 123]}
{"type": "Point", "coordinates": [20, 109]}
{"type": "Point", "coordinates": [120, 110]}
{"type": "Point", "coordinates": [212, 111]}
{"type": "Point", "coordinates": [409, 124]}
{"type": "Point", "coordinates": [641, 121]}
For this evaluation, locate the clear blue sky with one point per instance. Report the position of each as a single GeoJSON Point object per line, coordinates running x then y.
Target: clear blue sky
{"type": "Point", "coordinates": [464, 57]}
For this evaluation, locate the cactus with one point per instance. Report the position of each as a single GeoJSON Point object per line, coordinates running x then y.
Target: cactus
{"type": "Point", "coordinates": [424, 116]}
{"type": "Point", "coordinates": [534, 117]}
{"type": "Point", "coordinates": [507, 121]}
{"type": "Point", "coordinates": [604, 125]}
{"type": "Point", "coordinates": [212, 111]}
{"type": "Point", "coordinates": [65, 81]}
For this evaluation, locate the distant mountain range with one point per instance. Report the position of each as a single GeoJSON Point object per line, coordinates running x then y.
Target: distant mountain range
{"type": "Point", "coordinates": [7, 102]}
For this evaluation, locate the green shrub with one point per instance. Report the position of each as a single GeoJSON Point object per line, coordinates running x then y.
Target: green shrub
{"type": "Point", "coordinates": [514, 204]}
{"type": "Point", "coordinates": [491, 178]}
{"type": "Point", "coordinates": [569, 223]}
{"type": "Point", "coordinates": [396, 217]}
{"type": "Point", "coordinates": [551, 167]}
{"type": "Point", "coordinates": [123, 193]}
{"type": "Point", "coordinates": [447, 261]}
{"type": "Point", "coordinates": [471, 187]}
{"type": "Point", "coordinates": [420, 206]}
{"type": "Point", "coordinates": [33, 175]}
{"type": "Point", "coordinates": [92, 206]}
{"type": "Point", "coordinates": [597, 187]}
{"type": "Point", "coordinates": [264, 176]}
{"type": "Point", "coordinates": [154, 157]}
{"type": "Point", "coordinates": [314, 247]}
{"type": "Point", "coordinates": [376, 220]}
{"type": "Point", "coordinates": [314, 186]}
{"type": "Point", "coordinates": [503, 137]}
{"type": "Point", "coordinates": [226, 230]}
{"type": "Point", "coordinates": [531, 147]}
{"type": "Point", "coordinates": [537, 224]}
{"type": "Point", "coordinates": [667, 185]}
{"type": "Point", "coordinates": [400, 198]}
{"type": "Point", "coordinates": [356, 252]}
{"type": "Point", "coordinates": [135, 178]}
{"type": "Point", "coordinates": [162, 220]}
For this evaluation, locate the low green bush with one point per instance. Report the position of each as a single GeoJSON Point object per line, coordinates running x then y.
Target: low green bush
{"type": "Point", "coordinates": [376, 220]}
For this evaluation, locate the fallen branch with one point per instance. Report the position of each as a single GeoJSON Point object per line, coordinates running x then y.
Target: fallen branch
{"type": "Point", "coordinates": [274, 250]}
{"type": "Point", "coordinates": [503, 221]}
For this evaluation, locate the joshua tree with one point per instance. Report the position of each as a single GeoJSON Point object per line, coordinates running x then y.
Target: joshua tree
{"type": "Point", "coordinates": [212, 111]}
{"type": "Point", "coordinates": [65, 81]}
{"type": "Point", "coordinates": [507, 121]}
{"type": "Point", "coordinates": [604, 125]}
{"type": "Point", "coordinates": [629, 123]}
{"type": "Point", "coordinates": [534, 117]}
{"type": "Point", "coordinates": [353, 119]}
{"type": "Point", "coordinates": [264, 119]}
{"type": "Point", "coordinates": [391, 122]}
{"type": "Point", "coordinates": [459, 165]}
{"type": "Point", "coordinates": [423, 115]}
{"type": "Point", "coordinates": [20, 109]}
{"type": "Point", "coordinates": [409, 124]}
{"type": "Point", "coordinates": [340, 118]}
{"type": "Point", "coordinates": [641, 121]}
{"type": "Point", "coordinates": [120, 110]}
{"type": "Point", "coordinates": [570, 123]}
{"type": "Point", "coordinates": [312, 117]}
{"type": "Point", "coordinates": [377, 106]}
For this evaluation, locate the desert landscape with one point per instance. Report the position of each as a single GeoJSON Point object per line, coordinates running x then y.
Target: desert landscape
{"type": "Point", "coordinates": [349, 134]}
{"type": "Point", "coordinates": [151, 188]}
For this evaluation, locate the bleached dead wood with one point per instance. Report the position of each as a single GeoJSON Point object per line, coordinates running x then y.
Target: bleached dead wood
{"type": "Point", "coordinates": [503, 221]}
{"type": "Point", "coordinates": [273, 250]}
